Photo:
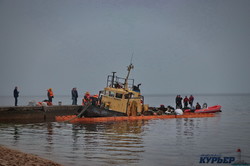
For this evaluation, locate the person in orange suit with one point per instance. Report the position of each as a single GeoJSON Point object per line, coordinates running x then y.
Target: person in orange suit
{"type": "Point", "coordinates": [50, 94]}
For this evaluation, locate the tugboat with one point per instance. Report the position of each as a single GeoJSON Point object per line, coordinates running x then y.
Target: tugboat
{"type": "Point", "coordinates": [120, 97]}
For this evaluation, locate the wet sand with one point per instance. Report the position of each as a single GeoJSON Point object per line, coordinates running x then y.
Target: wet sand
{"type": "Point", "coordinates": [10, 157]}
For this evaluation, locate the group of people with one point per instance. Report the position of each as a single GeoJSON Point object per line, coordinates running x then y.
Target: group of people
{"type": "Point", "coordinates": [187, 100]}
{"type": "Point", "coordinates": [50, 94]}
{"type": "Point", "coordinates": [93, 99]}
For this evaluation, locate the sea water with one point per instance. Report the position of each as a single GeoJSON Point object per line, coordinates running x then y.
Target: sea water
{"type": "Point", "coordinates": [174, 142]}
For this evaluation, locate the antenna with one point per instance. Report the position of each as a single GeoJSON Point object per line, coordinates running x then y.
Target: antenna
{"type": "Point", "coordinates": [113, 79]}
{"type": "Point", "coordinates": [130, 67]}
{"type": "Point", "coordinates": [132, 57]}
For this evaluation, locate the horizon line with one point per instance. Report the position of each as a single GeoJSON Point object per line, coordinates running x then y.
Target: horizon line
{"type": "Point", "coordinates": [146, 94]}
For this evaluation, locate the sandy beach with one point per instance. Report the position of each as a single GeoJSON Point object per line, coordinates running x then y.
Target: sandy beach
{"type": "Point", "coordinates": [10, 157]}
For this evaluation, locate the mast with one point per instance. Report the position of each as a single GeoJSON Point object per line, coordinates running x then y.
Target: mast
{"type": "Point", "coordinates": [126, 79]}
{"type": "Point", "coordinates": [113, 78]}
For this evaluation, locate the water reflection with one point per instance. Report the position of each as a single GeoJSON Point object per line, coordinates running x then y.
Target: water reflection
{"type": "Point", "coordinates": [49, 137]}
{"type": "Point", "coordinates": [187, 133]}
{"type": "Point", "coordinates": [172, 142]}
{"type": "Point", "coordinates": [189, 127]}
{"type": "Point", "coordinates": [111, 143]}
{"type": "Point", "coordinates": [49, 133]}
{"type": "Point", "coordinates": [16, 135]}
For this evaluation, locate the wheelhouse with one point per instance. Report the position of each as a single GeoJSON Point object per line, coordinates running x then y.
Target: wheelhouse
{"type": "Point", "coordinates": [122, 95]}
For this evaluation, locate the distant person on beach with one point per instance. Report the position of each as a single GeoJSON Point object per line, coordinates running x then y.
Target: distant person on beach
{"type": "Point", "coordinates": [74, 95]}
{"type": "Point", "coordinates": [50, 94]}
{"type": "Point", "coordinates": [191, 100]}
{"type": "Point", "coordinates": [16, 95]}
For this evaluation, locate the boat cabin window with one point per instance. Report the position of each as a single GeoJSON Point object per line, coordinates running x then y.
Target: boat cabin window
{"type": "Point", "coordinates": [111, 94]}
{"type": "Point", "coordinates": [118, 95]}
{"type": "Point", "coordinates": [129, 95]}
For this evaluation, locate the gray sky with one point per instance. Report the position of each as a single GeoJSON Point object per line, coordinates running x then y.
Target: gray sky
{"type": "Point", "coordinates": [179, 46]}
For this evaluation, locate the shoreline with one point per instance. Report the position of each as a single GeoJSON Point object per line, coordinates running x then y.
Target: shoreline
{"type": "Point", "coordinates": [11, 157]}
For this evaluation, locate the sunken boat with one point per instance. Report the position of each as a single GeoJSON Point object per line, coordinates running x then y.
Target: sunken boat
{"type": "Point", "coordinates": [120, 97]}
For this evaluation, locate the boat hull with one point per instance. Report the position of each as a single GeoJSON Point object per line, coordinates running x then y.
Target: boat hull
{"type": "Point", "coordinates": [212, 109]}
{"type": "Point", "coordinates": [94, 111]}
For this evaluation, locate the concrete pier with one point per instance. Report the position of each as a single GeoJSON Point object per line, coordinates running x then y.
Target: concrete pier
{"type": "Point", "coordinates": [36, 114]}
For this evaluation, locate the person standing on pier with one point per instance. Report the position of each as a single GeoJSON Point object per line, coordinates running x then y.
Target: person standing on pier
{"type": "Point", "coordinates": [16, 95]}
{"type": "Point", "coordinates": [74, 94]}
{"type": "Point", "coordinates": [50, 95]}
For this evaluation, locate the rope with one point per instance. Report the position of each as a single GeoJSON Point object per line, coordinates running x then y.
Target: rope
{"type": "Point", "coordinates": [79, 115]}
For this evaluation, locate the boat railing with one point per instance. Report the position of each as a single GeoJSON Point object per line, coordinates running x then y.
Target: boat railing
{"type": "Point", "coordinates": [118, 82]}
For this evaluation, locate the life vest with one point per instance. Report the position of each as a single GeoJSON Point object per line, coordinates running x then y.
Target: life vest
{"type": "Point", "coordinates": [95, 96]}
{"type": "Point", "coordinates": [86, 98]}
{"type": "Point", "coordinates": [50, 93]}
{"type": "Point", "coordinates": [94, 99]}
{"type": "Point", "coordinates": [44, 103]}
{"type": "Point", "coordinates": [185, 100]}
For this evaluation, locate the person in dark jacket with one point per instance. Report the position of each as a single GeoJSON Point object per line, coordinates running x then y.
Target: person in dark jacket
{"type": "Point", "coordinates": [191, 100]}
{"type": "Point", "coordinates": [198, 106]}
{"type": "Point", "coordinates": [16, 95]}
{"type": "Point", "coordinates": [178, 101]}
{"type": "Point", "coordinates": [185, 101]}
{"type": "Point", "coordinates": [74, 95]}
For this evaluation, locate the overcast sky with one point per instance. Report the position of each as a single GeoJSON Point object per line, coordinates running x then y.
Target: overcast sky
{"type": "Point", "coordinates": [179, 46]}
